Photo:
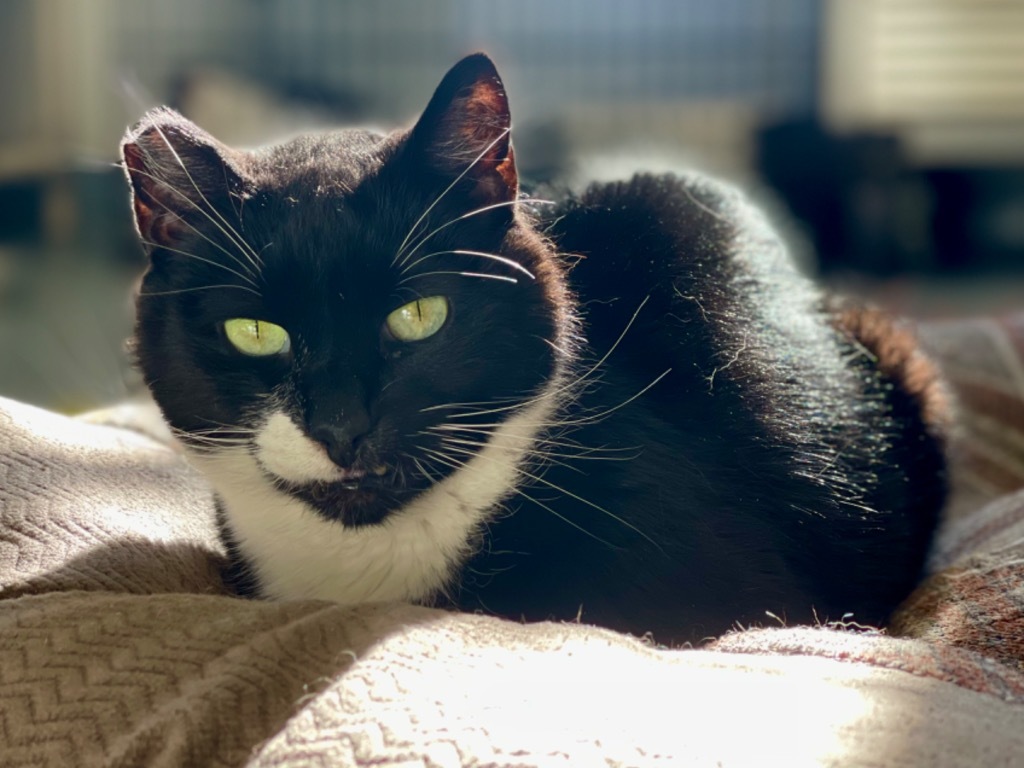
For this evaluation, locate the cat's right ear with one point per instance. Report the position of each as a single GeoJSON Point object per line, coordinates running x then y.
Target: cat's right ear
{"type": "Point", "coordinates": [180, 176]}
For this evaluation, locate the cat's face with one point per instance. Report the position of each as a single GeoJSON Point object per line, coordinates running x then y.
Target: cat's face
{"type": "Point", "coordinates": [320, 319]}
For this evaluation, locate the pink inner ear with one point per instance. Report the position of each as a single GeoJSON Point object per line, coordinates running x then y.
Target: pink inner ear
{"type": "Point", "coordinates": [158, 226]}
{"type": "Point", "coordinates": [142, 198]}
{"type": "Point", "coordinates": [155, 217]}
{"type": "Point", "coordinates": [481, 120]}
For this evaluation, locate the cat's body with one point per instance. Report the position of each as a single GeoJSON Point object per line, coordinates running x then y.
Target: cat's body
{"type": "Point", "coordinates": [629, 408]}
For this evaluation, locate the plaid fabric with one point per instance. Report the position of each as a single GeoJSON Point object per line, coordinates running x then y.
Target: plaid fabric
{"type": "Point", "coordinates": [983, 361]}
{"type": "Point", "coordinates": [974, 601]}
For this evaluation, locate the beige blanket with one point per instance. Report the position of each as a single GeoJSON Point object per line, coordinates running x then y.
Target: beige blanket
{"type": "Point", "coordinates": [119, 646]}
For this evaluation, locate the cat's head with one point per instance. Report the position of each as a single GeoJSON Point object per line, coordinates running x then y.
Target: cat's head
{"type": "Point", "coordinates": [334, 312]}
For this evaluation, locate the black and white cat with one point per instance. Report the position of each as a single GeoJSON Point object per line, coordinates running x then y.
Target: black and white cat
{"type": "Point", "coordinates": [407, 382]}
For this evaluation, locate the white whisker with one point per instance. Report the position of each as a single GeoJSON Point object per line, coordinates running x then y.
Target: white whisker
{"type": "Point", "coordinates": [565, 519]}
{"type": "Point", "coordinates": [584, 450]}
{"type": "Point", "coordinates": [199, 288]}
{"type": "Point", "coordinates": [234, 257]}
{"type": "Point", "coordinates": [535, 452]}
{"type": "Point", "coordinates": [449, 188]}
{"type": "Point", "coordinates": [481, 275]}
{"type": "Point", "coordinates": [246, 277]}
{"type": "Point", "coordinates": [553, 486]}
{"type": "Point", "coordinates": [422, 469]}
{"type": "Point", "coordinates": [458, 464]}
{"type": "Point", "coordinates": [227, 230]}
{"type": "Point", "coordinates": [477, 404]}
{"type": "Point", "coordinates": [605, 413]}
{"type": "Point", "coordinates": [476, 212]}
{"type": "Point", "coordinates": [572, 383]}
{"type": "Point", "coordinates": [481, 254]}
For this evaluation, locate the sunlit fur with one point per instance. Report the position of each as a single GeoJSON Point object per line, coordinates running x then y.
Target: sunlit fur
{"type": "Point", "coordinates": [636, 412]}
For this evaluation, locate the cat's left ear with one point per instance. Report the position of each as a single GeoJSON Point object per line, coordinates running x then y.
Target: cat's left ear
{"type": "Point", "coordinates": [465, 131]}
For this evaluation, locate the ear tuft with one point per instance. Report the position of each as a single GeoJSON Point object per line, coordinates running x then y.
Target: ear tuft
{"type": "Point", "coordinates": [465, 130]}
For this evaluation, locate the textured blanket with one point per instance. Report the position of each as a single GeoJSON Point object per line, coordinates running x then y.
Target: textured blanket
{"type": "Point", "coordinates": [120, 646]}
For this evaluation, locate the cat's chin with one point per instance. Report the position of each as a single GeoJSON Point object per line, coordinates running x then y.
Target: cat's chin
{"type": "Point", "coordinates": [354, 504]}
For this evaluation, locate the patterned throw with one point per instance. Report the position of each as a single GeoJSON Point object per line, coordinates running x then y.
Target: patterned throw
{"type": "Point", "coordinates": [983, 360]}
{"type": "Point", "coordinates": [119, 646]}
{"type": "Point", "coordinates": [975, 599]}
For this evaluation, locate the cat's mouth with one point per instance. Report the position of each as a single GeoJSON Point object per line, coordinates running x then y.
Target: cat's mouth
{"type": "Point", "coordinates": [351, 479]}
{"type": "Point", "coordinates": [358, 497]}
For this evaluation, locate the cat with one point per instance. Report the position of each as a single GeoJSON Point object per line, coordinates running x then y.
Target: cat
{"type": "Point", "coordinates": [406, 380]}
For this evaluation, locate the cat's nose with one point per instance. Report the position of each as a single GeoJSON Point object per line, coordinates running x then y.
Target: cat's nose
{"type": "Point", "coordinates": [342, 442]}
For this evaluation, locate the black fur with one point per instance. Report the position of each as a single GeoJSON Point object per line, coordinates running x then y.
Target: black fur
{"type": "Point", "coordinates": [777, 467]}
{"type": "Point", "coordinates": [743, 447]}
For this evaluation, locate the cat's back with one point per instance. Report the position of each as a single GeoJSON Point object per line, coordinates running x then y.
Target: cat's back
{"type": "Point", "coordinates": [773, 426]}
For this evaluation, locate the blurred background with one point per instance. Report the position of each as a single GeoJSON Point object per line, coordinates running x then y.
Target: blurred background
{"type": "Point", "coordinates": [887, 136]}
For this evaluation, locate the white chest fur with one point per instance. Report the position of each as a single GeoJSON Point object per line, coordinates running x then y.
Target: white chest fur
{"type": "Point", "coordinates": [411, 556]}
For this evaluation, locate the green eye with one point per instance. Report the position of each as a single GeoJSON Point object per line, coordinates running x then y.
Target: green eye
{"type": "Point", "coordinates": [418, 319]}
{"type": "Point", "coordinates": [257, 338]}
